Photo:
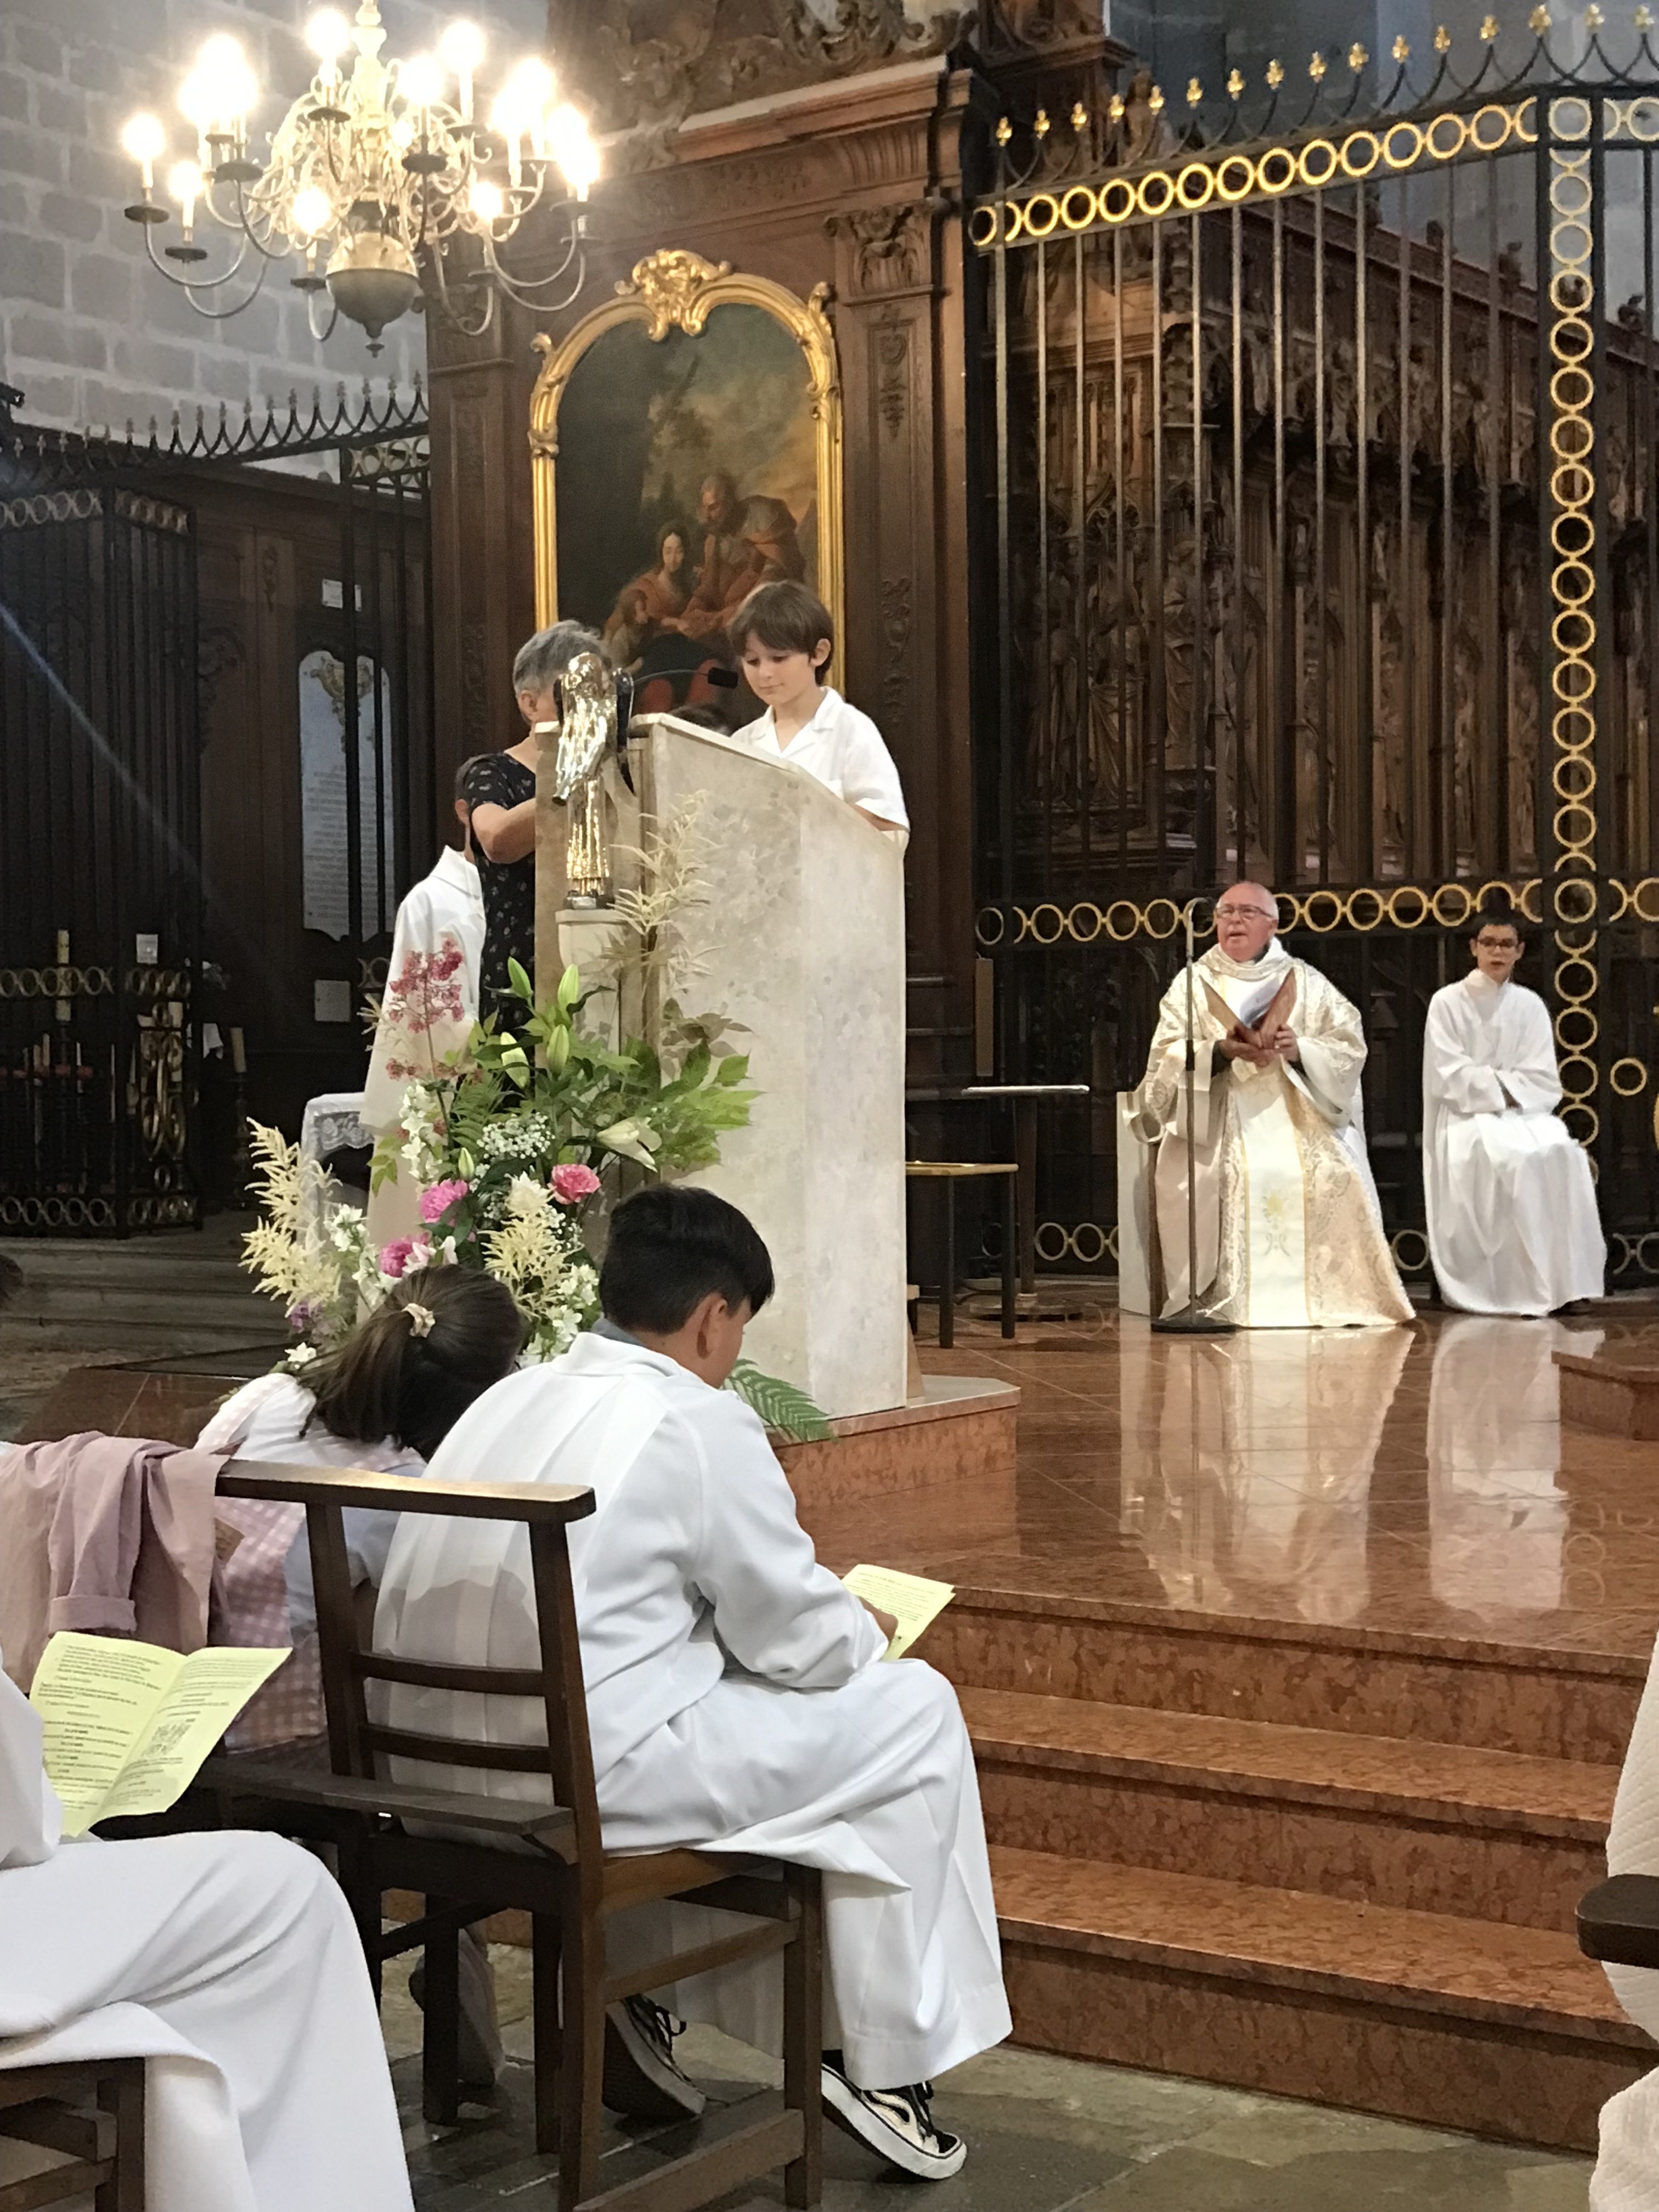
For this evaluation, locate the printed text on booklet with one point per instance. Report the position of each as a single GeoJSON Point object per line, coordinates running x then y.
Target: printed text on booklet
{"type": "Point", "coordinates": [913, 1601]}
{"type": "Point", "coordinates": [126, 1726]}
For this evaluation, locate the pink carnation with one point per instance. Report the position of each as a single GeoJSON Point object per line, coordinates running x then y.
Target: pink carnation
{"type": "Point", "coordinates": [570, 1184]}
{"type": "Point", "coordinates": [403, 1254]}
{"type": "Point", "coordinates": [437, 1201]}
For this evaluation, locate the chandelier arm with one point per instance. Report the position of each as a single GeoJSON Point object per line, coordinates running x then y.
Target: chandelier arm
{"type": "Point", "coordinates": [210, 185]}
{"type": "Point", "coordinates": [195, 284]}
{"type": "Point", "coordinates": [252, 234]}
{"type": "Point", "coordinates": [224, 314]}
{"type": "Point", "coordinates": [526, 290]}
{"type": "Point", "coordinates": [321, 336]}
{"type": "Point", "coordinates": [460, 322]}
{"type": "Point", "coordinates": [531, 292]}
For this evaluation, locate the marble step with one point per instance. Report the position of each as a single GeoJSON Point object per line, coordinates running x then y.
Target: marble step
{"type": "Point", "coordinates": [1455, 2023]}
{"type": "Point", "coordinates": [1537, 1700]}
{"type": "Point", "coordinates": [1428, 1827]}
{"type": "Point", "coordinates": [185, 1281]}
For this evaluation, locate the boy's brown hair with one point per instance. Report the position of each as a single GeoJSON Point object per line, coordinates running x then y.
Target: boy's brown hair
{"type": "Point", "coordinates": [785, 617]}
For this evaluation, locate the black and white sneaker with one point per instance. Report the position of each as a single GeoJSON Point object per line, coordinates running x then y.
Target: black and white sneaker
{"type": "Point", "coordinates": [896, 2123]}
{"type": "Point", "coordinates": [640, 2077]}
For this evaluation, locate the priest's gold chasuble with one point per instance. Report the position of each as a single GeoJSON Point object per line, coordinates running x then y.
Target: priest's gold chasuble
{"type": "Point", "coordinates": [1289, 1232]}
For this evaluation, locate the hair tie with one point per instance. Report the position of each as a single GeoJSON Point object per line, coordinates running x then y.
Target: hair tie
{"type": "Point", "coordinates": [421, 1319]}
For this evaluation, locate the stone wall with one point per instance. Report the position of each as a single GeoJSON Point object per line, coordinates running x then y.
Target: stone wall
{"type": "Point", "coordinates": [90, 332]}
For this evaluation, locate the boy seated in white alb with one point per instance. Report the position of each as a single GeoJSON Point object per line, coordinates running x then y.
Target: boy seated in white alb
{"type": "Point", "coordinates": [736, 1697]}
{"type": "Point", "coordinates": [783, 641]}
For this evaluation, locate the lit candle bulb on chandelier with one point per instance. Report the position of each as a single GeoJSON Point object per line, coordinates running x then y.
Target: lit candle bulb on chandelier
{"type": "Point", "coordinates": [310, 213]}
{"type": "Point", "coordinates": [184, 183]}
{"type": "Point", "coordinates": [328, 35]}
{"type": "Point", "coordinates": [195, 106]}
{"type": "Point", "coordinates": [421, 82]}
{"type": "Point", "coordinates": [231, 85]}
{"type": "Point", "coordinates": [486, 201]}
{"type": "Point", "coordinates": [574, 149]}
{"type": "Point", "coordinates": [142, 141]}
{"type": "Point", "coordinates": [462, 48]}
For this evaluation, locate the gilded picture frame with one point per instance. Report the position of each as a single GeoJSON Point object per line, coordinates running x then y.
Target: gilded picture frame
{"type": "Point", "coordinates": [671, 290]}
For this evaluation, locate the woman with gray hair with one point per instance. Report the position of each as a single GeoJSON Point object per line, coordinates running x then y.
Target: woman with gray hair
{"type": "Point", "coordinates": [500, 793]}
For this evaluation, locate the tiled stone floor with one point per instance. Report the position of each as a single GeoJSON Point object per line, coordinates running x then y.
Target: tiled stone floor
{"type": "Point", "coordinates": [1045, 2135]}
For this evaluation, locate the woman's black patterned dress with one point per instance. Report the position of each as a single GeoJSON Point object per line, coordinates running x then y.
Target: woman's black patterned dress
{"type": "Point", "coordinates": [508, 886]}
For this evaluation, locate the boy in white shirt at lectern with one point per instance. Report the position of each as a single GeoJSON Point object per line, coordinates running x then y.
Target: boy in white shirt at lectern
{"type": "Point", "coordinates": [783, 638]}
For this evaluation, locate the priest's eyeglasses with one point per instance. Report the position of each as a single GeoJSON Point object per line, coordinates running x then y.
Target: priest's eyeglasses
{"type": "Point", "coordinates": [1245, 913]}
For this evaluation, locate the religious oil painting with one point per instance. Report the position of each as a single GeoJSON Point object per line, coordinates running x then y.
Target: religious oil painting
{"type": "Point", "coordinates": [687, 451]}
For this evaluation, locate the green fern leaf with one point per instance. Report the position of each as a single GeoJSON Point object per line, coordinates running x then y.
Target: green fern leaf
{"type": "Point", "coordinates": [787, 1411]}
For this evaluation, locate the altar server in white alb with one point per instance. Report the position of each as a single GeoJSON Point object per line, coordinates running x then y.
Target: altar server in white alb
{"type": "Point", "coordinates": [783, 640]}
{"type": "Point", "coordinates": [430, 1005]}
{"type": "Point", "coordinates": [1513, 1227]}
{"type": "Point", "coordinates": [1289, 1232]}
{"type": "Point", "coordinates": [1626, 2176]}
{"type": "Point", "coordinates": [737, 1698]}
{"type": "Point", "coordinates": [230, 1964]}
{"type": "Point", "coordinates": [431, 999]}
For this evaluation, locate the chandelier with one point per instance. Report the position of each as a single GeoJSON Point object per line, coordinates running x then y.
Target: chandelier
{"type": "Point", "coordinates": [376, 170]}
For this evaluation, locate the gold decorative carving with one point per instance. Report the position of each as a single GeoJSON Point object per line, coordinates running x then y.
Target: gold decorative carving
{"type": "Point", "coordinates": [646, 63]}
{"type": "Point", "coordinates": [677, 290]}
{"type": "Point", "coordinates": [674, 286]}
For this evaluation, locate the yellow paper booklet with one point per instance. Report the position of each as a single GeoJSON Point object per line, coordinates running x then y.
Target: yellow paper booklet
{"type": "Point", "coordinates": [913, 1601]}
{"type": "Point", "coordinates": [125, 1726]}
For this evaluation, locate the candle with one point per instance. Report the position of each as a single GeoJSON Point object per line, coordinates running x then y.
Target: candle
{"type": "Point", "coordinates": [238, 1053]}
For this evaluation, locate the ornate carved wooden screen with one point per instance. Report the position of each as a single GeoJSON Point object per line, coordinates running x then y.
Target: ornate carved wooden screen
{"type": "Point", "coordinates": [1326, 514]}
{"type": "Point", "coordinates": [107, 681]}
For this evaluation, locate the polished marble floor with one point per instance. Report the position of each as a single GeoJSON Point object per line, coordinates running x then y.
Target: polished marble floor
{"type": "Point", "coordinates": [1416, 1480]}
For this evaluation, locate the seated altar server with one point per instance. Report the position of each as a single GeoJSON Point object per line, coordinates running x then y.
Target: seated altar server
{"type": "Point", "coordinates": [736, 1697]}
{"type": "Point", "coordinates": [1289, 1232]}
{"type": "Point", "coordinates": [1513, 1227]}
{"type": "Point", "coordinates": [1626, 2176]}
{"type": "Point", "coordinates": [431, 998]}
{"type": "Point", "coordinates": [783, 640]}
{"type": "Point", "coordinates": [228, 1963]}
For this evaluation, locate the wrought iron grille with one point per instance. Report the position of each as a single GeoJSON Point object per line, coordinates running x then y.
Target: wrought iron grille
{"type": "Point", "coordinates": [101, 881]}
{"type": "Point", "coordinates": [1324, 486]}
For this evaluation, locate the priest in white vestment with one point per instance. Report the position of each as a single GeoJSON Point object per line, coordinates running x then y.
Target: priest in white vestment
{"type": "Point", "coordinates": [1289, 1232]}
{"type": "Point", "coordinates": [231, 1965]}
{"type": "Point", "coordinates": [1513, 1227]}
{"type": "Point", "coordinates": [736, 1693]}
{"type": "Point", "coordinates": [429, 1006]}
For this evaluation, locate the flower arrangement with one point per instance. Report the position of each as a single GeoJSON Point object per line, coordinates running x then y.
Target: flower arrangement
{"type": "Point", "coordinates": [511, 1141]}
{"type": "Point", "coordinates": [506, 1148]}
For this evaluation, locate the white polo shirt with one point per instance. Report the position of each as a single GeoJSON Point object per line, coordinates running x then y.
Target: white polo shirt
{"type": "Point", "coordinates": [843, 749]}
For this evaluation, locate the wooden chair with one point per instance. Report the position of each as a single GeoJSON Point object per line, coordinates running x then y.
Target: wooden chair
{"type": "Point", "coordinates": [1618, 1920]}
{"type": "Point", "coordinates": [92, 2113]}
{"type": "Point", "coordinates": [948, 1174]}
{"type": "Point", "coordinates": [548, 1861]}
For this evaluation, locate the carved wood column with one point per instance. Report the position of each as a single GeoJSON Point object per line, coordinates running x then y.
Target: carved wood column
{"type": "Point", "coordinates": [481, 584]}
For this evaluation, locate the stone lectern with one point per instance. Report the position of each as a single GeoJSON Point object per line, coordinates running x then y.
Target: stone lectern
{"type": "Point", "coordinates": [797, 933]}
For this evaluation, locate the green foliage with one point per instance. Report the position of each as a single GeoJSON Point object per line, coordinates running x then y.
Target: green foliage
{"type": "Point", "coordinates": [540, 1093]}
{"type": "Point", "coordinates": [787, 1412]}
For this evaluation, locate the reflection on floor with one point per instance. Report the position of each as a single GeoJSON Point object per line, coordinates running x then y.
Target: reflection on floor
{"type": "Point", "coordinates": [1047, 2135]}
{"type": "Point", "coordinates": [1412, 1480]}
{"type": "Point", "coordinates": [1299, 1666]}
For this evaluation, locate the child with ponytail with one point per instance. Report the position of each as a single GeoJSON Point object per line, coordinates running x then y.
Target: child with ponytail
{"type": "Point", "coordinates": [384, 1398]}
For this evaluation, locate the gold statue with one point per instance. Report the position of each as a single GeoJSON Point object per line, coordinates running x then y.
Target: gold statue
{"type": "Point", "coordinates": [587, 735]}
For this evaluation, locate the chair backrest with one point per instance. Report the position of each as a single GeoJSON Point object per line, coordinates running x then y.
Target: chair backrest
{"type": "Point", "coordinates": [357, 1742]}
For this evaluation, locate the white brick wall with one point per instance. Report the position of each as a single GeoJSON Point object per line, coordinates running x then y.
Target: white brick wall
{"type": "Point", "coordinates": [92, 334]}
